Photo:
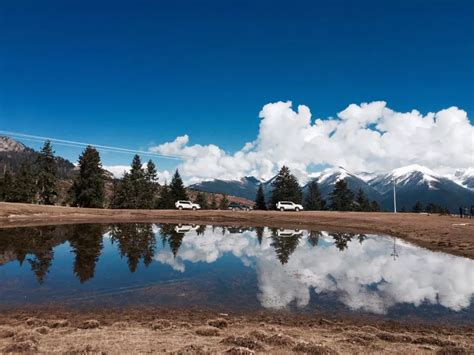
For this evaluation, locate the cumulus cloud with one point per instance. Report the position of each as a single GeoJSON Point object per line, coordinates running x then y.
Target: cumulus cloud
{"type": "Point", "coordinates": [363, 277]}
{"type": "Point", "coordinates": [365, 137]}
{"type": "Point", "coordinates": [118, 171]}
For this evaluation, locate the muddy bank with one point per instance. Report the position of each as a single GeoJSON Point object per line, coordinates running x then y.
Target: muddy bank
{"type": "Point", "coordinates": [443, 233]}
{"type": "Point", "coordinates": [153, 330]}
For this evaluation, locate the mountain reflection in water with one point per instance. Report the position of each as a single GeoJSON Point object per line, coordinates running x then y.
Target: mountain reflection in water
{"type": "Point", "coordinates": [273, 268]}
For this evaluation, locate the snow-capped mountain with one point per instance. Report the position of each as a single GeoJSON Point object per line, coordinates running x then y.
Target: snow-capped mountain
{"type": "Point", "coordinates": [245, 187]}
{"type": "Point", "coordinates": [418, 183]}
{"type": "Point", "coordinates": [465, 178]}
{"type": "Point", "coordinates": [328, 178]}
{"type": "Point", "coordinates": [405, 176]}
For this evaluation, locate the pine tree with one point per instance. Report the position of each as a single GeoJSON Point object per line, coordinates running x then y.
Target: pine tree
{"type": "Point", "coordinates": [341, 197]}
{"type": "Point", "coordinates": [6, 186]}
{"type": "Point", "coordinates": [418, 207]}
{"type": "Point", "coordinates": [213, 204]}
{"type": "Point", "coordinates": [362, 203]}
{"type": "Point", "coordinates": [137, 184]}
{"type": "Point", "coordinates": [314, 201]}
{"type": "Point", "coordinates": [165, 201]}
{"type": "Point", "coordinates": [151, 180]}
{"type": "Point", "coordinates": [260, 203]}
{"type": "Point", "coordinates": [88, 189]}
{"type": "Point", "coordinates": [374, 206]}
{"type": "Point", "coordinates": [224, 203]}
{"type": "Point", "coordinates": [47, 175]}
{"type": "Point", "coordinates": [178, 191]}
{"type": "Point", "coordinates": [23, 187]}
{"type": "Point", "coordinates": [286, 188]}
{"type": "Point", "coordinates": [201, 200]}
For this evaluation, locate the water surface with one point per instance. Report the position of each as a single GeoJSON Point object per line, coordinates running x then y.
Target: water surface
{"type": "Point", "coordinates": [233, 269]}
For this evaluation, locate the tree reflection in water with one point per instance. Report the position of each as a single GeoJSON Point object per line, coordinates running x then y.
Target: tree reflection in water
{"type": "Point", "coordinates": [135, 241]}
{"type": "Point", "coordinates": [86, 243]}
{"type": "Point", "coordinates": [284, 245]}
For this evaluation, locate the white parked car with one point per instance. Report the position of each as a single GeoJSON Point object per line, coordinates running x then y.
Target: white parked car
{"type": "Point", "coordinates": [186, 205]}
{"type": "Point", "coordinates": [288, 206]}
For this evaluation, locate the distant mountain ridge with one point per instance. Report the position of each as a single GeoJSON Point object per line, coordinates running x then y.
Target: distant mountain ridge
{"type": "Point", "coordinates": [14, 153]}
{"type": "Point", "coordinates": [413, 183]}
{"type": "Point", "coordinates": [245, 187]}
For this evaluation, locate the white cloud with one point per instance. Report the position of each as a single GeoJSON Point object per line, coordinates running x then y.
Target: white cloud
{"type": "Point", "coordinates": [366, 137]}
{"type": "Point", "coordinates": [119, 170]}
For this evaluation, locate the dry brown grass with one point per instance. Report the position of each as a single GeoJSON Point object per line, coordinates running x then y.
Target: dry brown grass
{"type": "Point", "coordinates": [145, 331]}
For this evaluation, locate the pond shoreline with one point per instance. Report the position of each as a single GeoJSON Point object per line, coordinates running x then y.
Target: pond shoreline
{"type": "Point", "coordinates": [199, 331]}
{"type": "Point", "coordinates": [439, 233]}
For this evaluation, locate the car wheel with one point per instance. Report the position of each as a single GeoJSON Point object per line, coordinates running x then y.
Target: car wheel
{"type": "Point", "coordinates": [234, 209]}
{"type": "Point", "coordinates": [282, 209]}
{"type": "Point", "coordinates": [180, 208]}
{"type": "Point", "coordinates": [297, 209]}
{"type": "Point", "coordinates": [194, 208]}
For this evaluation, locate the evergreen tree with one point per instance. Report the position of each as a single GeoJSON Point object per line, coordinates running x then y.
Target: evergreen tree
{"type": "Point", "coordinates": [137, 184]}
{"type": "Point", "coordinates": [260, 203]}
{"type": "Point", "coordinates": [151, 178]}
{"type": "Point", "coordinates": [418, 207]}
{"type": "Point", "coordinates": [362, 203]}
{"type": "Point", "coordinates": [341, 197]}
{"type": "Point", "coordinates": [178, 191]}
{"type": "Point", "coordinates": [374, 206]}
{"type": "Point", "coordinates": [285, 188]}
{"type": "Point", "coordinates": [47, 175]}
{"type": "Point", "coordinates": [213, 204]}
{"type": "Point", "coordinates": [7, 186]}
{"type": "Point", "coordinates": [314, 201]}
{"type": "Point", "coordinates": [201, 200]}
{"type": "Point", "coordinates": [88, 189]}
{"type": "Point", "coordinates": [23, 187]}
{"type": "Point", "coordinates": [224, 203]}
{"type": "Point", "coordinates": [165, 201]}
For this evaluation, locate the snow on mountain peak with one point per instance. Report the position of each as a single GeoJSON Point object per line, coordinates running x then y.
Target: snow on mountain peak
{"type": "Point", "coordinates": [326, 174]}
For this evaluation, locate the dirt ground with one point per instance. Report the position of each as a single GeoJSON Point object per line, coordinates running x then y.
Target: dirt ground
{"type": "Point", "coordinates": [444, 233]}
{"type": "Point", "coordinates": [200, 332]}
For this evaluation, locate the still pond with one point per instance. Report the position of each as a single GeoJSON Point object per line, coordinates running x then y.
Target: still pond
{"type": "Point", "coordinates": [233, 269]}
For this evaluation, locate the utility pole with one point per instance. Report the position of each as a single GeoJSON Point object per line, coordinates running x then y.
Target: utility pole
{"type": "Point", "coordinates": [394, 198]}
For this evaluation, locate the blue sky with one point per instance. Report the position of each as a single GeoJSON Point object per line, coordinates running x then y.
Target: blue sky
{"type": "Point", "coordinates": [139, 73]}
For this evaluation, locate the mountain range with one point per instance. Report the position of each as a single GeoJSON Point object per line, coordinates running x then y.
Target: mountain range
{"type": "Point", "coordinates": [413, 183]}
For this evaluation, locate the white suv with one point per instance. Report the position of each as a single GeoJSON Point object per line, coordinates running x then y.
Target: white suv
{"type": "Point", "coordinates": [187, 205]}
{"type": "Point", "coordinates": [288, 206]}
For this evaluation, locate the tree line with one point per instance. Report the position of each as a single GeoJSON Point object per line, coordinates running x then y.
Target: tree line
{"type": "Point", "coordinates": [38, 182]}
{"type": "Point", "coordinates": [285, 187]}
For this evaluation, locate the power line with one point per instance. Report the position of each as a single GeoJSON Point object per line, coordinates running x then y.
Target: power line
{"type": "Point", "coordinates": [70, 143]}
